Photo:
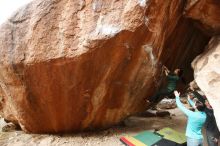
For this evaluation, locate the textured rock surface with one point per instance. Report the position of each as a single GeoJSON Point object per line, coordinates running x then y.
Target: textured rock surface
{"type": "Point", "coordinates": [206, 13]}
{"type": "Point", "coordinates": [207, 74]}
{"type": "Point", "coordinates": [75, 65]}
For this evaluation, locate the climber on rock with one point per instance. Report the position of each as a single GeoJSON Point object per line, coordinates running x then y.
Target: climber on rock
{"type": "Point", "coordinates": [172, 79]}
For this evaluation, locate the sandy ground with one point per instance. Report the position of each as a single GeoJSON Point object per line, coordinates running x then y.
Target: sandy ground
{"type": "Point", "coordinates": [108, 137]}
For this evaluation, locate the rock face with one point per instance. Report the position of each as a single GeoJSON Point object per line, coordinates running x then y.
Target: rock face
{"type": "Point", "coordinates": [206, 14]}
{"type": "Point", "coordinates": [207, 74]}
{"type": "Point", "coordinates": [82, 64]}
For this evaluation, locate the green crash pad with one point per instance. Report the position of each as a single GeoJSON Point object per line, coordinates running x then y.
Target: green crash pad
{"type": "Point", "coordinates": [148, 137]}
{"type": "Point", "coordinates": [172, 135]}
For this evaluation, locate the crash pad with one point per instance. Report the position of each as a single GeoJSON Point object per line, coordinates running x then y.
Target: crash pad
{"type": "Point", "coordinates": [172, 135]}
{"type": "Point", "coordinates": [145, 138]}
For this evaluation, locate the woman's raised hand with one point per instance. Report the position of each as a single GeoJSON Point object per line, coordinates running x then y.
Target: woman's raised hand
{"type": "Point", "coordinates": [176, 93]}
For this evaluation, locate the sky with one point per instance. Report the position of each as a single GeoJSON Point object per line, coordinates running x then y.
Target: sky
{"type": "Point", "coordinates": [7, 7]}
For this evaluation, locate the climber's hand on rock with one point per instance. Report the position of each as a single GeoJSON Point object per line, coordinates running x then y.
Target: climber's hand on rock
{"type": "Point", "coordinates": [165, 68]}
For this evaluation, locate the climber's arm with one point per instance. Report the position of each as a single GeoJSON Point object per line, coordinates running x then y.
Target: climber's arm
{"type": "Point", "coordinates": [181, 106]}
{"type": "Point", "coordinates": [190, 101]}
{"type": "Point", "coordinates": [166, 70]}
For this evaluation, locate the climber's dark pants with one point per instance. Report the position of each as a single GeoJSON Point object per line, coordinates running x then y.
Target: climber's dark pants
{"type": "Point", "coordinates": [160, 94]}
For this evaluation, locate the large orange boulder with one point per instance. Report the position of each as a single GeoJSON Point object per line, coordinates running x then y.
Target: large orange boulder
{"type": "Point", "coordinates": [82, 64]}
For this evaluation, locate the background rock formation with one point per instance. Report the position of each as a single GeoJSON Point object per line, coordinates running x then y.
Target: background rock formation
{"type": "Point", "coordinates": [207, 74]}
{"type": "Point", "coordinates": [82, 64]}
{"type": "Point", "coordinates": [205, 13]}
